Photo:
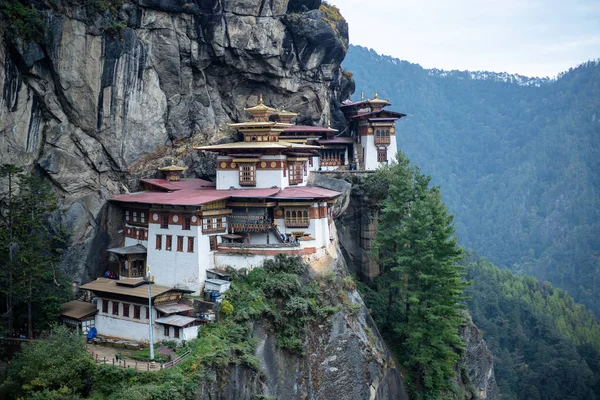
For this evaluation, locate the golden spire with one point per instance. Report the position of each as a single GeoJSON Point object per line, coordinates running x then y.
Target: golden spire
{"type": "Point", "coordinates": [260, 99]}
{"type": "Point", "coordinates": [376, 95]}
{"type": "Point", "coordinates": [362, 95]}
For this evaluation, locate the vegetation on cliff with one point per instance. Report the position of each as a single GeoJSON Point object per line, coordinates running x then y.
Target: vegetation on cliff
{"type": "Point", "coordinates": [416, 302]}
{"type": "Point", "coordinates": [32, 239]}
{"type": "Point", "coordinates": [516, 158]}
{"type": "Point", "coordinates": [280, 296]}
{"type": "Point", "coordinates": [545, 345]}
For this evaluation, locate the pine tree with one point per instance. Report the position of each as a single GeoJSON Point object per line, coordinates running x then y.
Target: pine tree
{"type": "Point", "coordinates": [33, 244]}
{"type": "Point", "coordinates": [415, 242]}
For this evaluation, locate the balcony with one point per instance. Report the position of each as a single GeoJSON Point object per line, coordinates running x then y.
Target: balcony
{"type": "Point", "coordinates": [249, 224]}
{"type": "Point", "coordinates": [382, 140]}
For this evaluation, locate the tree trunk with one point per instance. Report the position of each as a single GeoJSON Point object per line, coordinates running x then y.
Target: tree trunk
{"type": "Point", "coordinates": [29, 316]}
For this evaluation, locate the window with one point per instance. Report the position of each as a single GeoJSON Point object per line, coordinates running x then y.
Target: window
{"type": "Point", "coordinates": [105, 306]}
{"type": "Point", "coordinates": [179, 243]}
{"type": "Point", "coordinates": [136, 312]}
{"type": "Point", "coordinates": [190, 244]}
{"type": "Point", "coordinates": [126, 310]}
{"type": "Point", "coordinates": [115, 308]}
{"type": "Point", "coordinates": [213, 243]}
{"type": "Point", "coordinates": [164, 221]}
{"type": "Point", "coordinates": [169, 243]}
{"type": "Point", "coordinates": [382, 154]}
{"type": "Point", "coordinates": [247, 174]}
{"type": "Point", "coordinates": [158, 242]}
{"type": "Point", "coordinates": [134, 216]}
{"type": "Point", "coordinates": [187, 223]}
{"type": "Point", "coordinates": [166, 331]}
{"type": "Point", "coordinates": [297, 217]}
{"type": "Point", "coordinates": [176, 332]}
{"type": "Point", "coordinates": [296, 173]}
{"type": "Point", "coordinates": [143, 217]}
{"type": "Point", "coordinates": [127, 215]}
{"type": "Point", "coordinates": [147, 312]}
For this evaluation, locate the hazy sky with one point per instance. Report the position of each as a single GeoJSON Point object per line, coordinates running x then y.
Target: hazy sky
{"type": "Point", "coordinates": [528, 37]}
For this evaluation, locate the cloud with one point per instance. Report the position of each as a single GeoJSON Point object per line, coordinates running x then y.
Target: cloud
{"type": "Point", "coordinates": [530, 37]}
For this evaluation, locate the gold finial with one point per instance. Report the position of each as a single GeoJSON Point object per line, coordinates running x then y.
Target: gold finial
{"type": "Point", "coordinates": [362, 95]}
{"type": "Point", "coordinates": [260, 99]}
{"type": "Point", "coordinates": [376, 95]}
{"type": "Point", "coordinates": [329, 123]}
{"type": "Point", "coordinates": [172, 161]}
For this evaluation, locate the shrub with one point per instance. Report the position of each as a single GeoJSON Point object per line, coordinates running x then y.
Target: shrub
{"type": "Point", "coordinates": [24, 21]}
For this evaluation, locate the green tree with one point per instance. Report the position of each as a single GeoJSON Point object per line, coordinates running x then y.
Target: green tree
{"type": "Point", "coordinates": [418, 251]}
{"type": "Point", "coordinates": [33, 239]}
{"type": "Point", "coordinates": [58, 365]}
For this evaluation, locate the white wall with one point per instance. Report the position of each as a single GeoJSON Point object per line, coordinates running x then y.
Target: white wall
{"type": "Point", "coordinates": [392, 149]}
{"type": "Point", "coordinates": [123, 327]}
{"type": "Point", "coordinates": [188, 333]}
{"type": "Point", "coordinates": [367, 142]}
{"type": "Point", "coordinates": [265, 178]}
{"type": "Point", "coordinates": [174, 268]}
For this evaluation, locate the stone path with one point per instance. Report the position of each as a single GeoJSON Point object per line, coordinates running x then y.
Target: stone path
{"type": "Point", "coordinates": [107, 355]}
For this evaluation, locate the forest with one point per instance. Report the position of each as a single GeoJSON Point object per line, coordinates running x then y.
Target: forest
{"type": "Point", "coordinates": [517, 159]}
{"type": "Point", "coordinates": [544, 344]}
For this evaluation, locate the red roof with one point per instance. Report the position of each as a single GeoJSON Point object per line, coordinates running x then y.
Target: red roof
{"type": "Point", "coordinates": [392, 114]}
{"type": "Point", "coordinates": [306, 192]}
{"type": "Point", "coordinates": [184, 197]}
{"type": "Point", "coordinates": [336, 140]}
{"type": "Point", "coordinates": [179, 185]}
{"type": "Point", "coordinates": [308, 128]}
{"type": "Point", "coordinates": [254, 193]}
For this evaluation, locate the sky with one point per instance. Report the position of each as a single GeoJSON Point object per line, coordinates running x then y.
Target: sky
{"type": "Point", "coordinates": [527, 37]}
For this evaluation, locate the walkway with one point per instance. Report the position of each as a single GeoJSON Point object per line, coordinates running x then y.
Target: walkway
{"type": "Point", "coordinates": [107, 355]}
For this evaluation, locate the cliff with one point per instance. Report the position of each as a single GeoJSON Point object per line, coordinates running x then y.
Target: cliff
{"type": "Point", "coordinates": [109, 89]}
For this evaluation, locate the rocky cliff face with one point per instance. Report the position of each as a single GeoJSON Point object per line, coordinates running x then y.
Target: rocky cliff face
{"type": "Point", "coordinates": [113, 88]}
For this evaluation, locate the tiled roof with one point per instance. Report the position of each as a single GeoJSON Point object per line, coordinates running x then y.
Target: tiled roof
{"type": "Point", "coordinates": [308, 128]}
{"type": "Point", "coordinates": [178, 185]}
{"type": "Point", "coordinates": [78, 309]}
{"type": "Point", "coordinates": [103, 285]}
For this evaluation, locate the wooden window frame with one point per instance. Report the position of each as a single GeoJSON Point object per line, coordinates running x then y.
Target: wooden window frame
{"type": "Point", "coordinates": [159, 242]}
{"type": "Point", "coordinates": [296, 217]}
{"type": "Point", "coordinates": [166, 331]}
{"type": "Point", "coordinates": [187, 223]}
{"type": "Point", "coordinates": [180, 243]}
{"type": "Point", "coordinates": [115, 308]}
{"type": "Point", "coordinates": [382, 154]}
{"type": "Point", "coordinates": [169, 242]}
{"type": "Point", "coordinates": [213, 244]}
{"type": "Point", "coordinates": [247, 174]}
{"type": "Point", "coordinates": [176, 332]}
{"type": "Point", "coordinates": [137, 312]}
{"type": "Point", "coordinates": [147, 312]}
{"type": "Point", "coordinates": [190, 244]}
{"type": "Point", "coordinates": [126, 310]}
{"type": "Point", "coordinates": [296, 173]}
{"type": "Point", "coordinates": [105, 306]}
{"type": "Point", "coordinates": [164, 221]}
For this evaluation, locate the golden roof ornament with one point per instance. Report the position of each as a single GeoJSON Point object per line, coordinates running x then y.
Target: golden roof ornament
{"type": "Point", "coordinates": [362, 95]}
{"type": "Point", "coordinates": [173, 167]}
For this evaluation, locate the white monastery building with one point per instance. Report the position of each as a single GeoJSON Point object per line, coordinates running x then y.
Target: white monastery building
{"type": "Point", "coordinates": [260, 205]}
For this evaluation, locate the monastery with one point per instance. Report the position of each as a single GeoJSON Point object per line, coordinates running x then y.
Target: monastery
{"type": "Point", "coordinates": [182, 233]}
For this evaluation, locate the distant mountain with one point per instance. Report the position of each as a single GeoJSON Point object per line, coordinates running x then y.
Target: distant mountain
{"type": "Point", "coordinates": [518, 160]}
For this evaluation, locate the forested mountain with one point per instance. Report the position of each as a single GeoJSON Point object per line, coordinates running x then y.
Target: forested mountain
{"type": "Point", "coordinates": [545, 345]}
{"type": "Point", "coordinates": [517, 159]}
